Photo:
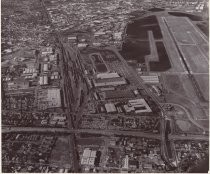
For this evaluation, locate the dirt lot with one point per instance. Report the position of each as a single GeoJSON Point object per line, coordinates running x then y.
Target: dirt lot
{"type": "Point", "coordinates": [60, 155]}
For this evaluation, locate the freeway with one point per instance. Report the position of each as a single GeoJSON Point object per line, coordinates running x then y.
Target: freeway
{"type": "Point", "coordinates": [65, 131]}
{"type": "Point", "coordinates": [76, 131]}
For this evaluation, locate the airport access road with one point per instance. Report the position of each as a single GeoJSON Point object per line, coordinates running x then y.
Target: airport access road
{"type": "Point", "coordinates": [189, 116]}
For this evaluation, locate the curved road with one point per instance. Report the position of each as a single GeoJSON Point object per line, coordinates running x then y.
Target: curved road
{"type": "Point", "coordinates": [189, 116]}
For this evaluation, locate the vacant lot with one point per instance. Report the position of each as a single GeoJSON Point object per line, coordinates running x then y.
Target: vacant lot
{"type": "Point", "coordinates": [184, 126]}
{"type": "Point", "coordinates": [174, 83]}
{"type": "Point", "coordinates": [203, 82]}
{"type": "Point", "coordinates": [60, 155]}
{"type": "Point", "coordinates": [204, 123]}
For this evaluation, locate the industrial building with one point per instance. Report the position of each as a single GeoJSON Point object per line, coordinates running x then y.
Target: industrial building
{"type": "Point", "coordinates": [106, 95]}
{"type": "Point", "coordinates": [30, 70]}
{"type": "Point", "coordinates": [54, 97]}
{"type": "Point", "coordinates": [45, 67]}
{"type": "Point", "coordinates": [88, 157]}
{"type": "Point", "coordinates": [43, 80]}
{"type": "Point", "coordinates": [18, 84]}
{"type": "Point", "coordinates": [82, 45]}
{"type": "Point", "coordinates": [137, 106]}
{"type": "Point", "coordinates": [47, 50]}
{"type": "Point", "coordinates": [107, 75]}
{"type": "Point", "coordinates": [49, 98]}
{"type": "Point", "coordinates": [118, 36]}
{"type": "Point", "coordinates": [107, 89]}
{"type": "Point", "coordinates": [30, 73]}
{"type": "Point", "coordinates": [150, 79]}
{"type": "Point", "coordinates": [125, 162]}
{"type": "Point", "coordinates": [110, 82]}
{"type": "Point", "coordinates": [97, 44]}
{"type": "Point", "coordinates": [110, 108]}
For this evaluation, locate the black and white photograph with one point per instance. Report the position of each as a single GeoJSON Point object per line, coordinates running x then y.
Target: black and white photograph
{"type": "Point", "coordinates": [104, 86]}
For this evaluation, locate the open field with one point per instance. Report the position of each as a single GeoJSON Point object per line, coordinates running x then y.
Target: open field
{"type": "Point", "coordinates": [189, 89]}
{"type": "Point", "coordinates": [174, 83]}
{"type": "Point", "coordinates": [181, 86]}
{"type": "Point", "coordinates": [61, 157]}
{"type": "Point", "coordinates": [203, 82]}
{"type": "Point", "coordinates": [140, 28]}
{"type": "Point", "coordinates": [205, 123]}
{"type": "Point", "coordinates": [195, 111]}
{"type": "Point", "coordinates": [194, 58]}
{"type": "Point", "coordinates": [205, 49]}
{"type": "Point", "coordinates": [204, 28]}
{"type": "Point", "coordinates": [185, 126]}
{"type": "Point", "coordinates": [164, 63]}
{"type": "Point", "coordinates": [192, 44]}
{"type": "Point", "coordinates": [135, 50]}
{"type": "Point", "coordinates": [180, 28]}
{"type": "Point", "coordinates": [176, 62]}
{"type": "Point", "coordinates": [180, 14]}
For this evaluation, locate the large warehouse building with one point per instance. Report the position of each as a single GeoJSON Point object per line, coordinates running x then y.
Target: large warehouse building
{"type": "Point", "coordinates": [107, 75]}
{"type": "Point", "coordinates": [137, 106]}
{"type": "Point", "coordinates": [49, 98]}
{"type": "Point", "coordinates": [109, 82]}
{"type": "Point", "coordinates": [110, 108]}
{"type": "Point", "coordinates": [116, 94]}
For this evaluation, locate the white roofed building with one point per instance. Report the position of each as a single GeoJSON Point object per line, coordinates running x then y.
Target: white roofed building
{"type": "Point", "coordinates": [88, 157]}
{"type": "Point", "coordinates": [107, 75]}
{"type": "Point", "coordinates": [137, 106]}
{"type": "Point", "coordinates": [110, 108]}
{"type": "Point", "coordinates": [110, 82]}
